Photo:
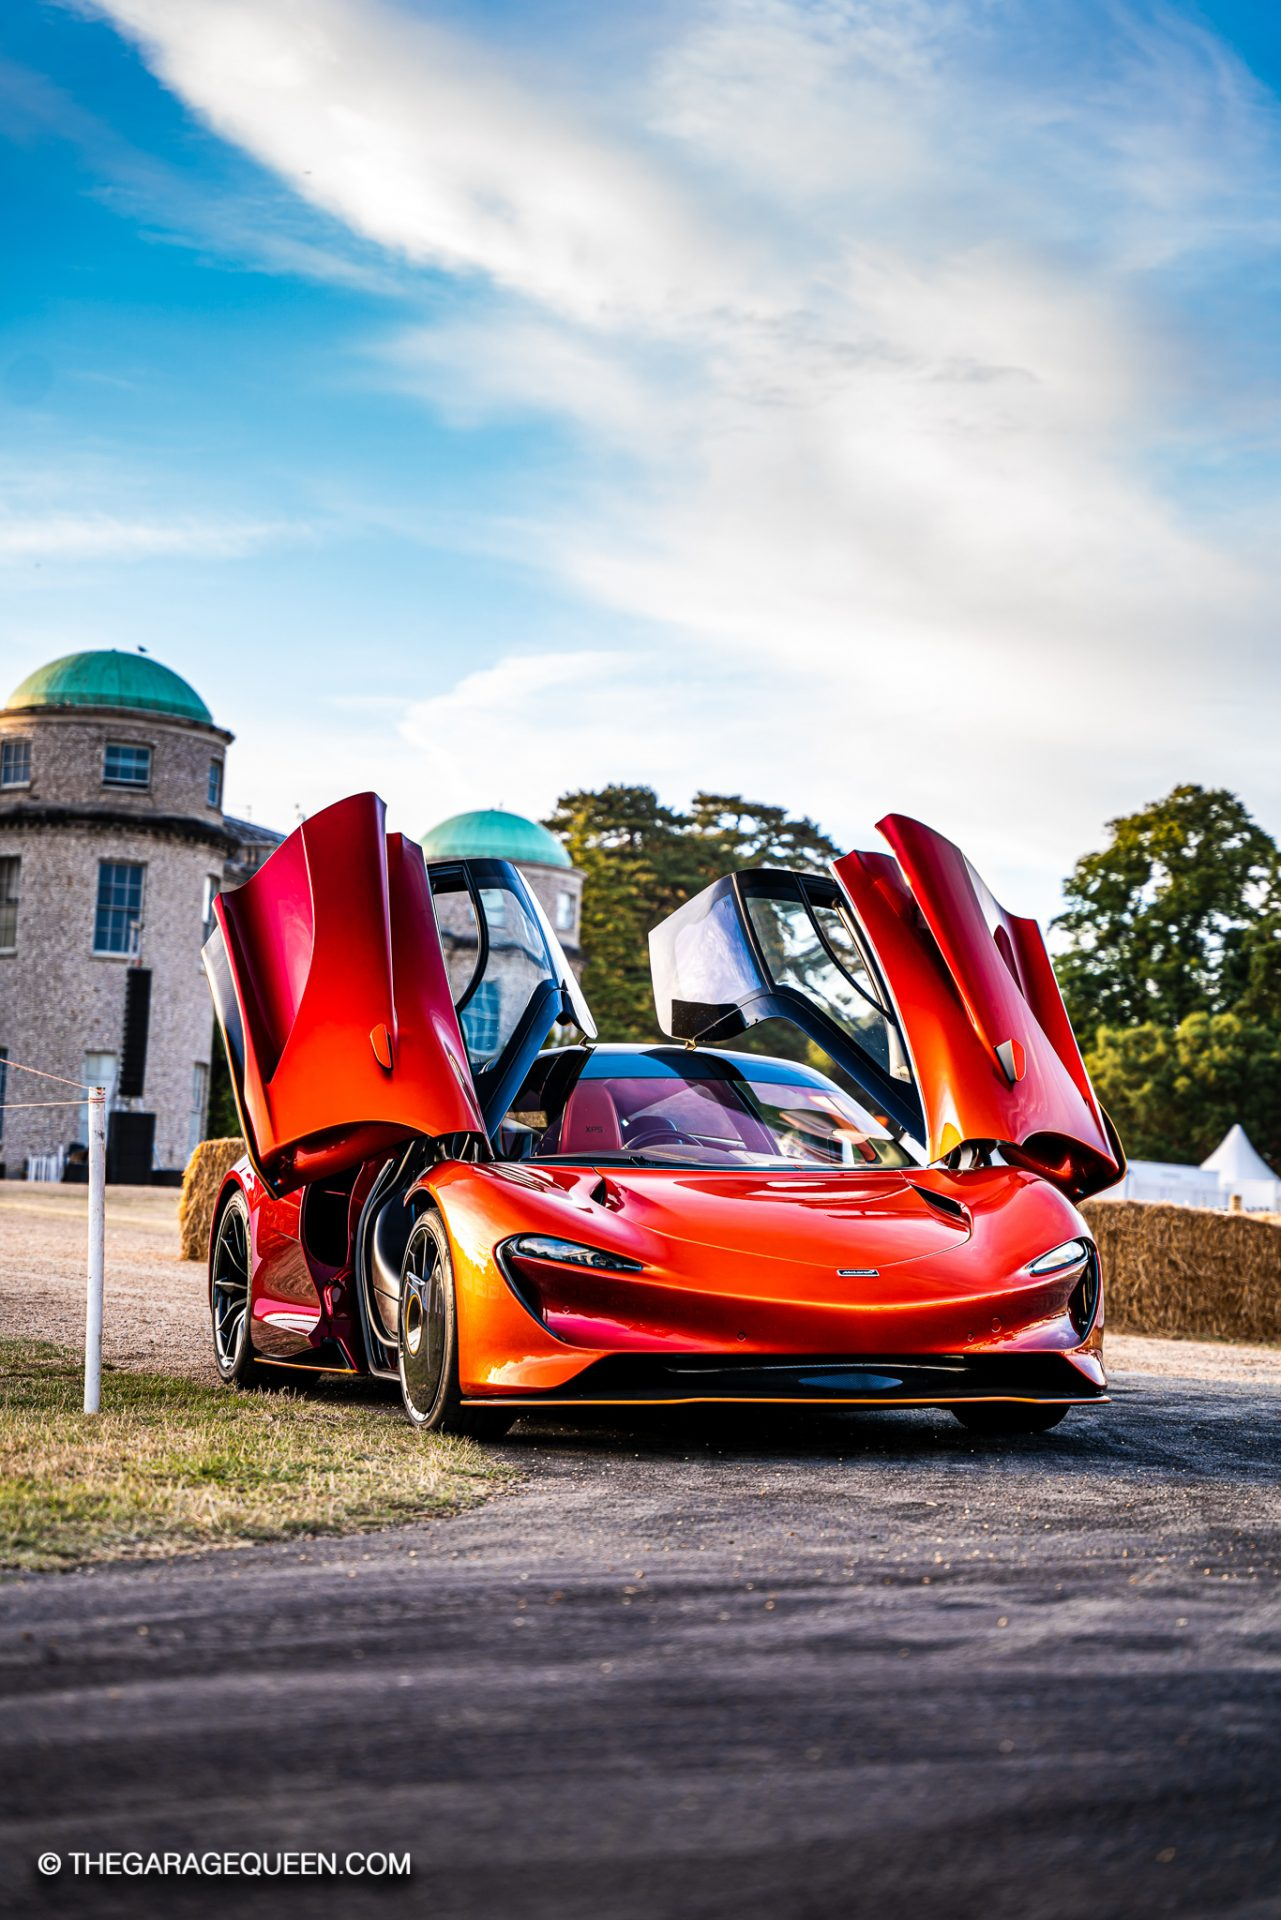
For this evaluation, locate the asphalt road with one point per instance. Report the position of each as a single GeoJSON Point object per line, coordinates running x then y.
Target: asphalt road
{"type": "Point", "coordinates": [846, 1665]}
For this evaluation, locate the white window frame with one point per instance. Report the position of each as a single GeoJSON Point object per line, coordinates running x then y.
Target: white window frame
{"type": "Point", "coordinates": [120, 953]}
{"type": "Point", "coordinates": [199, 1104]}
{"type": "Point", "coordinates": [14, 899]}
{"type": "Point", "coordinates": [97, 1074]}
{"type": "Point", "coordinates": [213, 887]}
{"type": "Point", "coordinates": [15, 740]}
{"type": "Point", "coordinates": [127, 746]}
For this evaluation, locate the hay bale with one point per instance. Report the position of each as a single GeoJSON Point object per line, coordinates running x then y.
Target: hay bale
{"type": "Point", "coordinates": [201, 1184]}
{"type": "Point", "coordinates": [1187, 1271]}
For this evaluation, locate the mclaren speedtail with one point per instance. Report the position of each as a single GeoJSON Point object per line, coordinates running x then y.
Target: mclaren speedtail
{"type": "Point", "coordinates": [452, 1184]}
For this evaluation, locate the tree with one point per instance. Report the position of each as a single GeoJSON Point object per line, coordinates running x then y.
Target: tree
{"type": "Point", "coordinates": [1165, 920]}
{"type": "Point", "coordinates": [1258, 966]}
{"type": "Point", "coordinates": [642, 860]}
{"type": "Point", "coordinates": [1174, 1092]}
{"type": "Point", "coordinates": [743, 833]}
{"type": "Point", "coordinates": [639, 863]}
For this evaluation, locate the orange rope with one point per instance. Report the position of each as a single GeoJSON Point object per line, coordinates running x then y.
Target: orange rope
{"type": "Point", "coordinates": [20, 1067]}
{"type": "Point", "coordinates": [11, 1106]}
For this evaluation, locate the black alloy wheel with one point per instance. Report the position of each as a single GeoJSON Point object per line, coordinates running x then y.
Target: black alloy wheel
{"type": "Point", "coordinates": [229, 1298]}
{"type": "Point", "coordinates": [427, 1339]}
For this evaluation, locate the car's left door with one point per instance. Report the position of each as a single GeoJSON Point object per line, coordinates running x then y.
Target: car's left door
{"type": "Point", "coordinates": [510, 977]}
{"type": "Point", "coordinates": [331, 991]}
{"type": "Point", "coordinates": [335, 973]}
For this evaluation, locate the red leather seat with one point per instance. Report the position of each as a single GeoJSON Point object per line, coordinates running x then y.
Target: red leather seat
{"type": "Point", "coordinates": [590, 1123]}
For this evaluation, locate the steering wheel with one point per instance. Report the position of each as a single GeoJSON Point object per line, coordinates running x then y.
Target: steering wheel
{"type": "Point", "coordinates": [659, 1133]}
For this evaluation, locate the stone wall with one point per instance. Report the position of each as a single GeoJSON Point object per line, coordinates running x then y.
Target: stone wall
{"type": "Point", "coordinates": [67, 760]}
{"type": "Point", "coordinates": [549, 883]}
{"type": "Point", "coordinates": [59, 1000]}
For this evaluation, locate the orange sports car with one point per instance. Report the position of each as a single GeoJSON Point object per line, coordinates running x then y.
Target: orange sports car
{"type": "Point", "coordinates": [452, 1184]}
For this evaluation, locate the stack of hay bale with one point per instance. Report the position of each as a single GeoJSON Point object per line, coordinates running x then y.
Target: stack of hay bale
{"type": "Point", "coordinates": [206, 1170]}
{"type": "Point", "coordinates": [1187, 1271]}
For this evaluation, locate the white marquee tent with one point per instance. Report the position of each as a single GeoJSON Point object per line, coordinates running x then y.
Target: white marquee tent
{"type": "Point", "coordinates": [1233, 1169]}
{"type": "Point", "coordinates": [1241, 1170]}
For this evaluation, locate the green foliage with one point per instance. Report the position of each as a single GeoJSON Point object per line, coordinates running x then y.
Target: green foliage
{"type": "Point", "coordinates": [1179, 913]}
{"type": "Point", "coordinates": [743, 833]}
{"type": "Point", "coordinates": [642, 860]}
{"type": "Point", "coordinates": [1174, 1092]}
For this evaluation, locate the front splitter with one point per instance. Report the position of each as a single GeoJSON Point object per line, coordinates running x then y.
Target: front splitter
{"type": "Point", "coordinates": [634, 1379]}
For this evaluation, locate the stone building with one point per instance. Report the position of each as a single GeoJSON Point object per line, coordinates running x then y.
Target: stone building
{"type": "Point", "coordinates": [113, 842]}
{"type": "Point", "coordinates": [515, 944]}
{"type": "Point", "coordinates": [495, 835]}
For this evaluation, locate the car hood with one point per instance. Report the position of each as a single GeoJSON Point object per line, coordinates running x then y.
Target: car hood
{"type": "Point", "coordinates": [878, 1219]}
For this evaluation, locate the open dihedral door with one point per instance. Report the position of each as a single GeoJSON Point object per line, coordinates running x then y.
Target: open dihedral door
{"type": "Point", "coordinates": [940, 1006]}
{"type": "Point", "coordinates": [330, 987]}
{"type": "Point", "coordinates": [977, 1002]}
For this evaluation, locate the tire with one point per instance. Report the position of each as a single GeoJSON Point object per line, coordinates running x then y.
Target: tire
{"type": "Point", "coordinates": [229, 1299]}
{"type": "Point", "coordinates": [1009, 1416]}
{"type": "Point", "coordinates": [427, 1340]}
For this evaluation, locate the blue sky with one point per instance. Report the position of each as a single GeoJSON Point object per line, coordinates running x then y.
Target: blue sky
{"type": "Point", "coordinates": [861, 405]}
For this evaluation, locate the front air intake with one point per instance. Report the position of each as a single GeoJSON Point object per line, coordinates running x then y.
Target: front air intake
{"type": "Point", "coordinates": [1083, 1302]}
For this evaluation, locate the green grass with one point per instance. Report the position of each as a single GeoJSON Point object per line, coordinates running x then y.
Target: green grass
{"type": "Point", "coordinates": [171, 1467]}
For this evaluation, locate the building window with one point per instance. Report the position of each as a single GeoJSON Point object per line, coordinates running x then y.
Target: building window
{"type": "Point", "coordinates": [97, 1070]}
{"type": "Point", "coordinates": [15, 763]}
{"type": "Point", "coordinates": [9, 867]}
{"type": "Point", "coordinates": [199, 1105]}
{"type": "Point", "coordinates": [213, 887]}
{"type": "Point", "coordinates": [124, 766]}
{"type": "Point", "coordinates": [215, 783]}
{"type": "Point", "coordinates": [481, 1021]}
{"type": "Point", "coordinates": [119, 914]}
{"type": "Point", "coordinates": [565, 911]}
{"type": "Point", "coordinates": [494, 901]}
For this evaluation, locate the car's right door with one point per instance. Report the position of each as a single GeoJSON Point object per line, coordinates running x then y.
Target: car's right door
{"type": "Point", "coordinates": [940, 1006]}
{"type": "Point", "coordinates": [976, 999]}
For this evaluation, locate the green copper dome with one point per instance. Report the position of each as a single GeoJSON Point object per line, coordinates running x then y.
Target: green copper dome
{"type": "Point", "coordinates": [132, 681]}
{"type": "Point", "coordinates": [493, 835]}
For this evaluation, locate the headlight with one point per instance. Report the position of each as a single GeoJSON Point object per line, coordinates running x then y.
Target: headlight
{"type": "Point", "coordinates": [1070, 1254]}
{"type": "Point", "coordinates": [533, 1265]}
{"type": "Point", "coordinates": [567, 1253]}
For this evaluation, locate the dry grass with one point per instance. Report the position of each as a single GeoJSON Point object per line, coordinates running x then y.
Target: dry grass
{"type": "Point", "coordinates": [206, 1170]}
{"type": "Point", "coordinates": [173, 1467]}
{"type": "Point", "coordinates": [1189, 1272]}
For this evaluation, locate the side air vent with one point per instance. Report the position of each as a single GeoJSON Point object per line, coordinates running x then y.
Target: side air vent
{"type": "Point", "coordinates": [943, 1203]}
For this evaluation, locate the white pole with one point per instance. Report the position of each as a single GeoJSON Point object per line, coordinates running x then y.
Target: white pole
{"type": "Point", "coordinates": [97, 1237]}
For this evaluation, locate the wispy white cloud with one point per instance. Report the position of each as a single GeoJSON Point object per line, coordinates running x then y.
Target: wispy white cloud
{"type": "Point", "coordinates": [94, 535]}
{"type": "Point", "coordinates": [420, 141]}
{"type": "Point", "coordinates": [878, 317]}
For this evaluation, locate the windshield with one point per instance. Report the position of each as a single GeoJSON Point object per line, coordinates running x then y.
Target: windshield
{"type": "Point", "coordinates": [808, 946]}
{"type": "Point", "coordinates": [726, 1118]}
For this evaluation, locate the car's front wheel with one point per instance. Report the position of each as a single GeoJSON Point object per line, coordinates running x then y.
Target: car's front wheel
{"type": "Point", "coordinates": [427, 1339]}
{"type": "Point", "coordinates": [229, 1299]}
{"type": "Point", "coordinates": [1009, 1416]}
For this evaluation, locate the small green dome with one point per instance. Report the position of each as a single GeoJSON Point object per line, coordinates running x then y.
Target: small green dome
{"type": "Point", "coordinates": [492, 835]}
{"type": "Point", "coordinates": [132, 681]}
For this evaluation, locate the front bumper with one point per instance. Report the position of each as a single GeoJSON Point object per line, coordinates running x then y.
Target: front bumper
{"type": "Point", "coordinates": [943, 1380]}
